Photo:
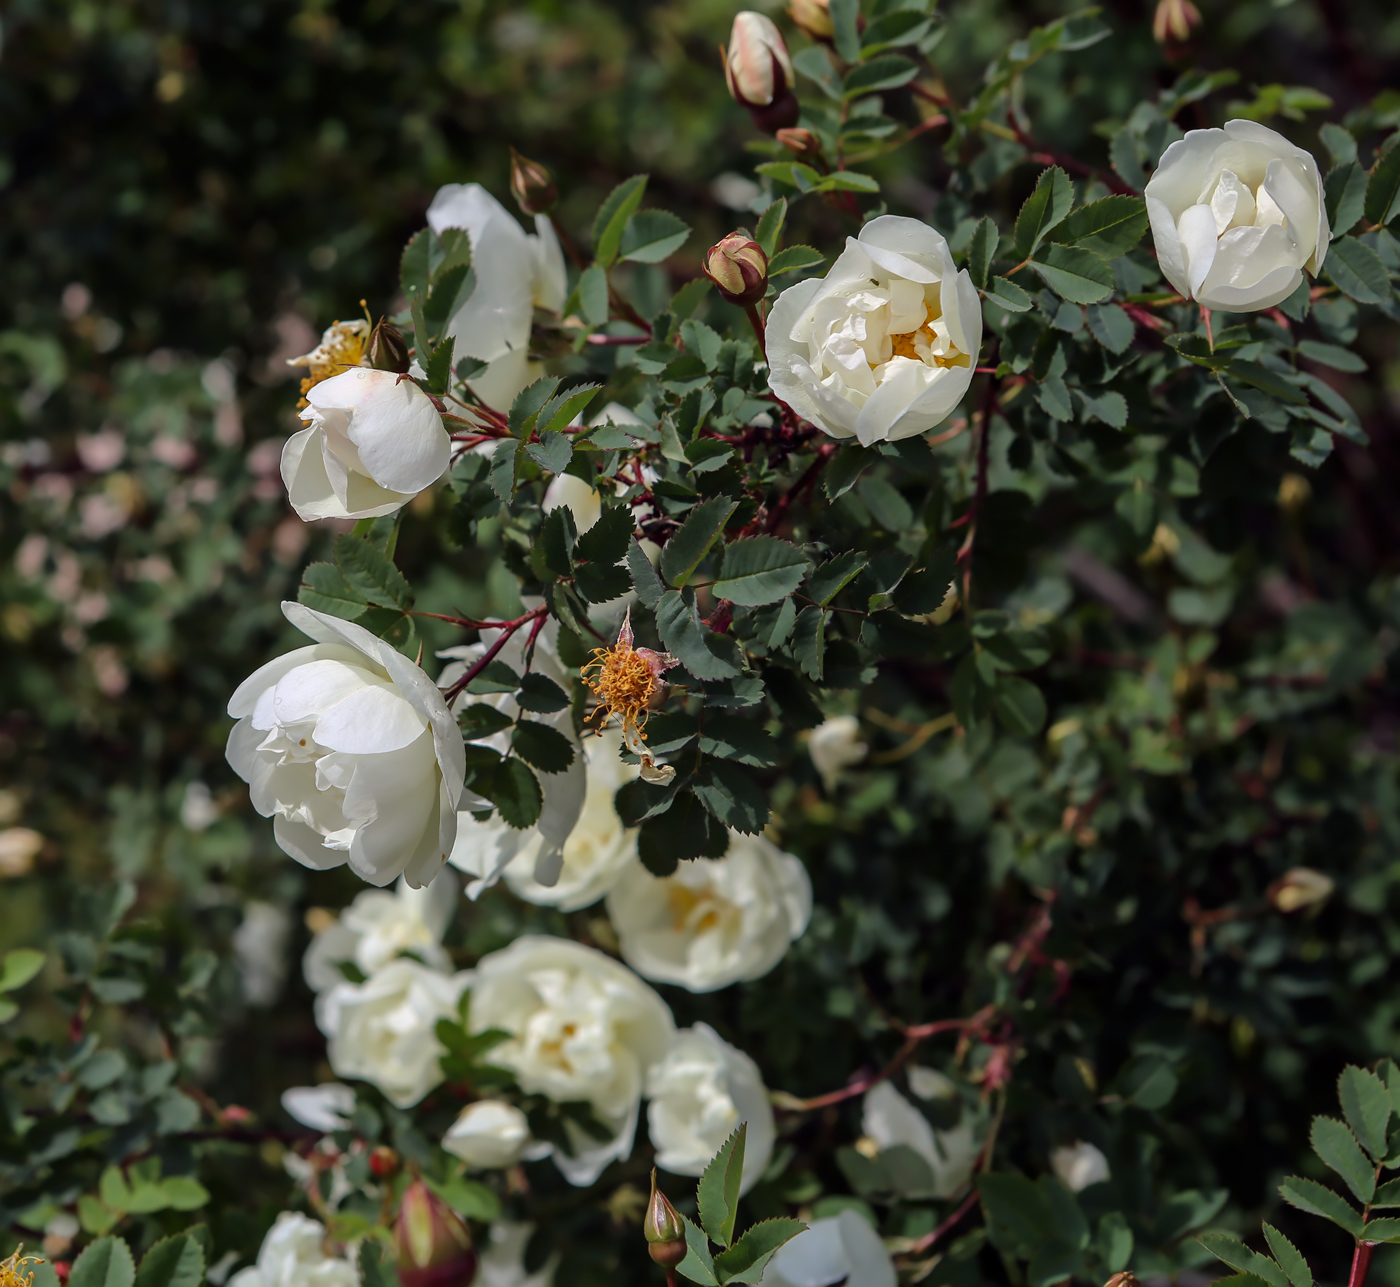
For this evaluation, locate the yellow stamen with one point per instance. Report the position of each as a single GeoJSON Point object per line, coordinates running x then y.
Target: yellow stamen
{"type": "Point", "coordinates": [624, 682]}
{"type": "Point", "coordinates": [13, 1272]}
{"type": "Point", "coordinates": [342, 346]}
{"type": "Point", "coordinates": [685, 902]}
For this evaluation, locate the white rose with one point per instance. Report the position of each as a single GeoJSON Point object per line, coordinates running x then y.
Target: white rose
{"type": "Point", "coordinates": [699, 1093]}
{"type": "Point", "coordinates": [373, 442]}
{"type": "Point", "coordinates": [293, 1255]}
{"type": "Point", "coordinates": [583, 1028]}
{"type": "Point", "coordinates": [351, 749]}
{"type": "Point", "coordinates": [1079, 1165]}
{"type": "Point", "coordinates": [582, 501]}
{"type": "Point", "coordinates": [1237, 215]}
{"type": "Point", "coordinates": [883, 347]}
{"type": "Point", "coordinates": [488, 1134]}
{"type": "Point", "coordinates": [326, 1107]}
{"type": "Point", "coordinates": [842, 1247]}
{"type": "Point", "coordinates": [599, 849]}
{"type": "Point", "coordinates": [483, 849]}
{"type": "Point", "coordinates": [260, 951]}
{"type": "Point", "coordinates": [515, 272]}
{"type": "Point", "coordinates": [834, 746]}
{"type": "Point", "coordinates": [382, 1030]}
{"type": "Point", "coordinates": [379, 926]}
{"type": "Point", "coordinates": [502, 1260]}
{"type": "Point", "coordinates": [889, 1119]}
{"type": "Point", "coordinates": [714, 921]}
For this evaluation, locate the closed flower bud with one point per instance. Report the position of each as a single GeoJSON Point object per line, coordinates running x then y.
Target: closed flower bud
{"type": "Point", "coordinates": [739, 268]}
{"type": "Point", "coordinates": [388, 351]}
{"type": "Point", "coordinates": [802, 143]}
{"type": "Point", "coordinates": [384, 1162]}
{"type": "Point", "coordinates": [814, 17]}
{"type": "Point", "coordinates": [532, 185]}
{"type": "Point", "coordinates": [1174, 20]}
{"type": "Point", "coordinates": [434, 1247]}
{"type": "Point", "coordinates": [1124, 1279]}
{"type": "Point", "coordinates": [1300, 889]}
{"type": "Point", "coordinates": [664, 1229]}
{"type": "Point", "coordinates": [759, 72]}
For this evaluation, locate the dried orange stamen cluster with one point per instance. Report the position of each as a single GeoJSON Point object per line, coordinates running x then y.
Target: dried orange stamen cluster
{"type": "Point", "coordinates": [624, 682]}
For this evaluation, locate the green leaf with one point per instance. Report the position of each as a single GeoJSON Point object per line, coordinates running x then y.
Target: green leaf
{"type": "Point", "coordinates": [924, 590]}
{"type": "Point", "coordinates": [759, 570]}
{"type": "Point", "coordinates": [437, 370]}
{"type": "Point", "coordinates": [699, 1264]}
{"type": "Point", "coordinates": [1108, 406]}
{"type": "Point", "coordinates": [1366, 1106]}
{"type": "Point", "coordinates": [540, 694]}
{"type": "Point", "coordinates": [1356, 270]}
{"type": "Point", "coordinates": [470, 1198]}
{"type": "Point", "coordinates": [718, 1193]}
{"type": "Point", "coordinates": [648, 585]}
{"type": "Point", "coordinates": [1337, 1147]}
{"type": "Point", "coordinates": [414, 263]}
{"type": "Point", "coordinates": [172, 1262]}
{"type": "Point", "coordinates": [652, 235]}
{"type": "Point", "coordinates": [745, 1261]}
{"type": "Point", "coordinates": [1111, 326]}
{"type": "Point", "coordinates": [552, 453]}
{"type": "Point", "coordinates": [1288, 1258]}
{"type": "Point", "coordinates": [809, 642]}
{"type": "Point", "coordinates": [1383, 1230]}
{"type": "Point", "coordinates": [1340, 142]}
{"type": "Point", "coordinates": [770, 227]}
{"type": "Point", "coordinates": [19, 966]}
{"type": "Point", "coordinates": [377, 1265]}
{"type": "Point", "coordinates": [183, 1193]}
{"type": "Point", "coordinates": [106, 1263]}
{"type": "Point", "coordinates": [1226, 1247]}
{"type": "Point", "coordinates": [1006, 294]}
{"type": "Point", "coordinates": [791, 258]}
{"type": "Point", "coordinates": [1387, 1195]}
{"type": "Point", "coordinates": [678, 624]}
{"type": "Point", "coordinates": [1310, 1196]}
{"type": "Point", "coordinates": [845, 21]}
{"type": "Point", "coordinates": [886, 72]}
{"type": "Point", "coordinates": [1383, 189]}
{"type": "Point", "coordinates": [564, 408]}
{"type": "Point", "coordinates": [682, 554]}
{"type": "Point", "coordinates": [1079, 276]}
{"type": "Point", "coordinates": [1338, 359]}
{"type": "Point", "coordinates": [542, 746]}
{"type": "Point", "coordinates": [515, 792]}
{"type": "Point", "coordinates": [607, 540]}
{"type": "Point", "coordinates": [825, 582]}
{"type": "Point", "coordinates": [1345, 190]}
{"type": "Point", "coordinates": [686, 830]}
{"type": "Point", "coordinates": [732, 795]}
{"type": "Point", "coordinates": [593, 294]}
{"type": "Point", "coordinates": [1020, 705]}
{"type": "Point", "coordinates": [480, 720]}
{"type": "Point", "coordinates": [1110, 227]}
{"type": "Point", "coordinates": [621, 204]}
{"type": "Point", "coordinates": [732, 737]}
{"type": "Point", "coordinates": [367, 569]}
{"type": "Point", "coordinates": [444, 297]}
{"type": "Point", "coordinates": [503, 469]}
{"type": "Point", "coordinates": [848, 181]}
{"type": "Point", "coordinates": [1043, 210]}
{"type": "Point", "coordinates": [981, 252]}
{"type": "Point", "coordinates": [326, 590]}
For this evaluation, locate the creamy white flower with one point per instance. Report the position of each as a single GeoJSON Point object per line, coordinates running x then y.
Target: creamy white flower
{"type": "Point", "coordinates": [260, 951]}
{"type": "Point", "coordinates": [502, 1259]}
{"type": "Point", "coordinates": [326, 1107]}
{"type": "Point", "coordinates": [483, 849]}
{"type": "Point", "coordinates": [198, 812]}
{"type": "Point", "coordinates": [293, 1255]}
{"type": "Point", "coordinates": [699, 1093]}
{"type": "Point", "coordinates": [382, 1030]}
{"type": "Point", "coordinates": [1237, 215]}
{"type": "Point", "coordinates": [1079, 1165]}
{"type": "Point", "coordinates": [841, 1248]}
{"type": "Point", "coordinates": [582, 501]}
{"type": "Point", "coordinates": [373, 442]}
{"type": "Point", "coordinates": [379, 926]}
{"type": "Point", "coordinates": [488, 1134]}
{"type": "Point", "coordinates": [352, 750]}
{"type": "Point", "coordinates": [714, 921]}
{"type": "Point", "coordinates": [889, 1119]}
{"type": "Point", "coordinates": [599, 849]}
{"type": "Point", "coordinates": [583, 1028]}
{"type": "Point", "coordinates": [756, 64]}
{"type": "Point", "coordinates": [883, 347]}
{"type": "Point", "coordinates": [834, 746]}
{"type": "Point", "coordinates": [515, 273]}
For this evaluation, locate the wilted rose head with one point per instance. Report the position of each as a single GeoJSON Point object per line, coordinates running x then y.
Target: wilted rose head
{"type": "Point", "coordinates": [739, 268]}
{"type": "Point", "coordinates": [759, 71]}
{"type": "Point", "coordinates": [628, 684]}
{"type": "Point", "coordinates": [532, 185]}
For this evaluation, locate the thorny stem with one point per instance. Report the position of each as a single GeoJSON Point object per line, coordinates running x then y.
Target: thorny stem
{"type": "Point", "coordinates": [507, 629]}
{"type": "Point", "coordinates": [1045, 156]}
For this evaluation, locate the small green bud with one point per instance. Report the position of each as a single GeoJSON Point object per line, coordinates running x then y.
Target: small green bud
{"type": "Point", "coordinates": [662, 1225]}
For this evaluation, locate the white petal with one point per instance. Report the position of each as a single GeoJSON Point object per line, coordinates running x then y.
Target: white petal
{"type": "Point", "coordinates": [246, 695]}
{"type": "Point", "coordinates": [1183, 170]}
{"type": "Point", "coordinates": [906, 248]}
{"type": "Point", "coordinates": [551, 276]}
{"type": "Point", "coordinates": [371, 720]}
{"type": "Point", "coordinates": [315, 687]}
{"type": "Point", "coordinates": [304, 475]}
{"type": "Point", "coordinates": [1196, 228]}
{"type": "Point", "coordinates": [1171, 257]}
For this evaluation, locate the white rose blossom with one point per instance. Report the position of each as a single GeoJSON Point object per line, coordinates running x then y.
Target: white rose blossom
{"type": "Point", "coordinates": [714, 921]}
{"type": "Point", "coordinates": [502, 1258]}
{"type": "Point", "coordinates": [293, 1255]}
{"type": "Point", "coordinates": [834, 746]}
{"type": "Point", "coordinates": [260, 951]}
{"type": "Point", "coordinates": [884, 346]}
{"type": "Point", "coordinates": [1079, 1165]}
{"type": "Point", "coordinates": [382, 1030]}
{"type": "Point", "coordinates": [489, 1134]}
{"type": "Point", "coordinates": [515, 273]}
{"type": "Point", "coordinates": [326, 1107]}
{"type": "Point", "coordinates": [373, 441]}
{"type": "Point", "coordinates": [583, 1027]}
{"type": "Point", "coordinates": [889, 1119]}
{"type": "Point", "coordinates": [699, 1094]}
{"type": "Point", "coordinates": [352, 751]}
{"type": "Point", "coordinates": [840, 1249]}
{"type": "Point", "coordinates": [1237, 215]}
{"type": "Point", "coordinates": [378, 926]}
{"type": "Point", "coordinates": [483, 849]}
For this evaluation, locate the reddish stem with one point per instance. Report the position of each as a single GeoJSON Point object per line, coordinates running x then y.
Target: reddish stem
{"type": "Point", "coordinates": [507, 629]}
{"type": "Point", "coordinates": [1360, 1264]}
{"type": "Point", "coordinates": [756, 321]}
{"type": "Point", "coordinates": [989, 406]}
{"type": "Point", "coordinates": [929, 1239]}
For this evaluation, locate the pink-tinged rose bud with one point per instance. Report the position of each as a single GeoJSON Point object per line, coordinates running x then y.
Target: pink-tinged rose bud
{"type": "Point", "coordinates": [434, 1247]}
{"type": "Point", "coordinates": [1174, 21]}
{"type": "Point", "coordinates": [1124, 1279]}
{"type": "Point", "coordinates": [804, 145]}
{"type": "Point", "coordinates": [813, 17]}
{"type": "Point", "coordinates": [1301, 889]}
{"type": "Point", "coordinates": [532, 185]}
{"type": "Point", "coordinates": [739, 269]}
{"type": "Point", "coordinates": [664, 1229]}
{"type": "Point", "coordinates": [759, 72]}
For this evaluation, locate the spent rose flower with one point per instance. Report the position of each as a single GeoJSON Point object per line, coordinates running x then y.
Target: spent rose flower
{"type": "Point", "coordinates": [373, 441]}
{"type": "Point", "coordinates": [352, 751]}
{"type": "Point", "coordinates": [759, 72]}
{"type": "Point", "coordinates": [714, 921]}
{"type": "Point", "coordinates": [583, 1027]}
{"type": "Point", "coordinates": [293, 1255]}
{"type": "Point", "coordinates": [628, 683]}
{"type": "Point", "coordinates": [488, 1134]}
{"type": "Point", "coordinates": [698, 1095]}
{"type": "Point", "coordinates": [841, 1248]}
{"type": "Point", "coordinates": [890, 1119]}
{"type": "Point", "coordinates": [383, 1030]}
{"type": "Point", "coordinates": [515, 272]}
{"type": "Point", "coordinates": [884, 346]}
{"type": "Point", "coordinates": [1079, 1165]}
{"type": "Point", "coordinates": [1237, 215]}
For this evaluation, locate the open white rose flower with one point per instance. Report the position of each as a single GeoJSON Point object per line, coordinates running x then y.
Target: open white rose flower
{"type": "Point", "coordinates": [840, 1249]}
{"type": "Point", "coordinates": [352, 751]}
{"type": "Point", "coordinates": [373, 441]}
{"type": "Point", "coordinates": [889, 1119]}
{"type": "Point", "coordinates": [488, 1134]}
{"type": "Point", "coordinates": [583, 1027]}
{"type": "Point", "coordinates": [884, 346]}
{"type": "Point", "coordinates": [502, 1258]}
{"type": "Point", "coordinates": [698, 1095]}
{"type": "Point", "coordinates": [293, 1255]}
{"type": "Point", "coordinates": [378, 926]}
{"type": "Point", "coordinates": [515, 273]}
{"type": "Point", "coordinates": [835, 746]}
{"type": "Point", "coordinates": [383, 1030]}
{"type": "Point", "coordinates": [713, 921]}
{"type": "Point", "coordinates": [1237, 215]}
{"type": "Point", "coordinates": [483, 849]}
{"type": "Point", "coordinates": [1079, 1165]}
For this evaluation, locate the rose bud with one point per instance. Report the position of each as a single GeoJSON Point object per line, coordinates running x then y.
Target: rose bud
{"type": "Point", "coordinates": [1300, 889]}
{"type": "Point", "coordinates": [387, 349]}
{"type": "Point", "coordinates": [532, 185]}
{"type": "Point", "coordinates": [813, 17]}
{"type": "Point", "coordinates": [1174, 20]}
{"type": "Point", "coordinates": [384, 1162]}
{"type": "Point", "coordinates": [759, 72]}
{"type": "Point", "coordinates": [739, 269]}
{"type": "Point", "coordinates": [1123, 1279]}
{"type": "Point", "coordinates": [434, 1247]}
{"type": "Point", "coordinates": [803, 144]}
{"type": "Point", "coordinates": [664, 1229]}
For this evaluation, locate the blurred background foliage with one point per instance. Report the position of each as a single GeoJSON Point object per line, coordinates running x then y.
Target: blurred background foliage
{"type": "Point", "coordinates": [191, 191]}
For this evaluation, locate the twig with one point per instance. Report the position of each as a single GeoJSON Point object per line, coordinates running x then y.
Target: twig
{"type": "Point", "coordinates": [507, 629]}
{"type": "Point", "coordinates": [989, 406]}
